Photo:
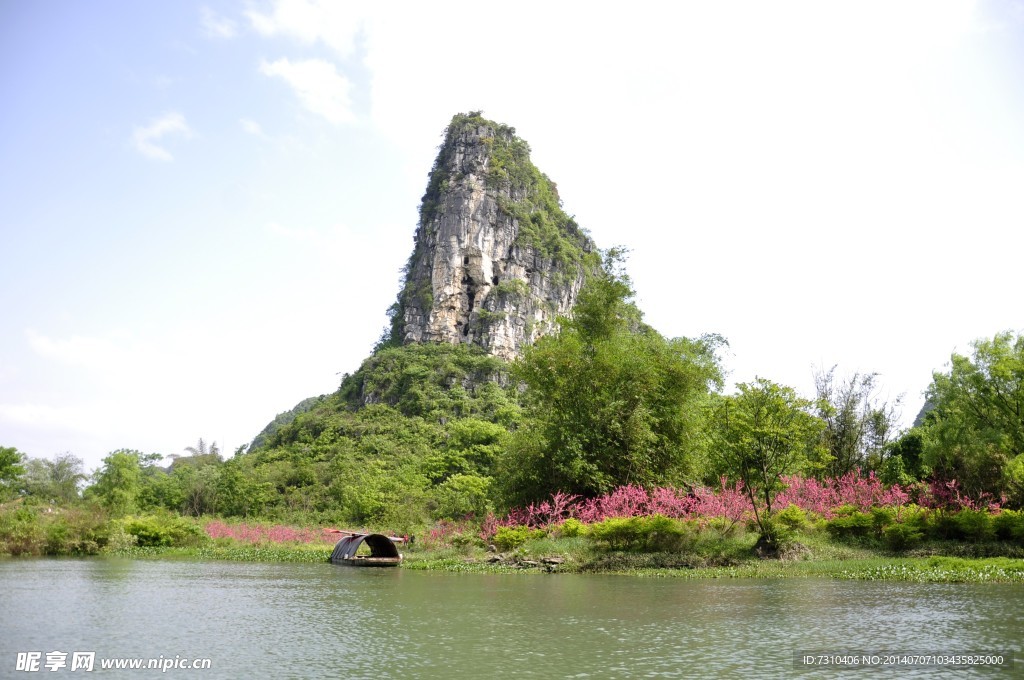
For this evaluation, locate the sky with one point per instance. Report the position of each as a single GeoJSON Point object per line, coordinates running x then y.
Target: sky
{"type": "Point", "coordinates": [204, 206]}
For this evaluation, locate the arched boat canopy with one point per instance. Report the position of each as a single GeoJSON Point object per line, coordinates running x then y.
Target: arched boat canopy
{"type": "Point", "coordinates": [380, 547]}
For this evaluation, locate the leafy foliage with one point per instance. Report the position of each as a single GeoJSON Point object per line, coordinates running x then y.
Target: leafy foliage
{"type": "Point", "coordinates": [610, 401]}
{"type": "Point", "coordinates": [858, 425]}
{"type": "Point", "coordinates": [11, 470]}
{"type": "Point", "coordinates": [410, 437]}
{"type": "Point", "coordinates": [651, 533]}
{"type": "Point", "coordinates": [54, 481]}
{"type": "Point", "coordinates": [118, 483]}
{"type": "Point", "coordinates": [163, 529]}
{"type": "Point", "coordinates": [975, 432]}
{"type": "Point", "coordinates": [759, 435]}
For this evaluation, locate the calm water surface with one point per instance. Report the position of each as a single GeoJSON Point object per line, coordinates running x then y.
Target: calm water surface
{"type": "Point", "coordinates": [321, 620]}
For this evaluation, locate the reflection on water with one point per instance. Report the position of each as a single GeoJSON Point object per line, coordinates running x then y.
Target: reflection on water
{"type": "Point", "coordinates": [306, 621]}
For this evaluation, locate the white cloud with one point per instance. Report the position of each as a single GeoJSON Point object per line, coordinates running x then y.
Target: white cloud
{"type": "Point", "coordinates": [76, 351]}
{"type": "Point", "coordinates": [145, 138]}
{"type": "Point", "coordinates": [333, 23]}
{"type": "Point", "coordinates": [252, 127]}
{"type": "Point", "coordinates": [216, 26]}
{"type": "Point", "coordinates": [318, 85]}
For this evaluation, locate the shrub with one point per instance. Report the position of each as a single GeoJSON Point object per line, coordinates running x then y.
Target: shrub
{"type": "Point", "coordinates": [974, 525]}
{"type": "Point", "coordinates": [463, 495]}
{"type": "Point", "coordinates": [76, 532]}
{"type": "Point", "coordinates": [882, 518]}
{"type": "Point", "coordinates": [65, 531]}
{"type": "Point", "coordinates": [773, 532]}
{"type": "Point", "coordinates": [1009, 525]}
{"type": "Point", "coordinates": [654, 533]}
{"type": "Point", "coordinates": [852, 525]}
{"type": "Point", "coordinates": [902, 536]}
{"type": "Point", "coordinates": [943, 524]}
{"type": "Point", "coordinates": [793, 518]}
{"type": "Point", "coordinates": [571, 528]}
{"type": "Point", "coordinates": [163, 529]}
{"type": "Point", "coordinates": [21, 533]}
{"type": "Point", "coordinates": [510, 538]}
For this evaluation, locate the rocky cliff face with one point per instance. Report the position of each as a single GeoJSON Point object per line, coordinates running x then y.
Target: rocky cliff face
{"type": "Point", "coordinates": [496, 259]}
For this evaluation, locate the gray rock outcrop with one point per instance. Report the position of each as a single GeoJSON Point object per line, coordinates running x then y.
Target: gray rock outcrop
{"type": "Point", "coordinates": [496, 259]}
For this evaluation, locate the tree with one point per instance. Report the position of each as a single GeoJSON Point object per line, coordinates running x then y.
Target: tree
{"type": "Point", "coordinates": [56, 480]}
{"type": "Point", "coordinates": [975, 432]}
{"type": "Point", "coordinates": [759, 434]}
{"type": "Point", "coordinates": [858, 425]}
{"type": "Point", "coordinates": [609, 400]}
{"type": "Point", "coordinates": [904, 463]}
{"type": "Point", "coordinates": [200, 454]}
{"type": "Point", "coordinates": [11, 470]}
{"type": "Point", "coordinates": [119, 482]}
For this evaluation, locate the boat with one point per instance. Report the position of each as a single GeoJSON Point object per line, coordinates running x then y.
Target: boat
{"type": "Point", "coordinates": [383, 550]}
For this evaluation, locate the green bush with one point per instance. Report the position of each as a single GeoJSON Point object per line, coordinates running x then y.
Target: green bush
{"type": "Point", "coordinates": [845, 510]}
{"type": "Point", "coordinates": [163, 529]}
{"type": "Point", "coordinates": [462, 495]}
{"type": "Point", "coordinates": [942, 524]}
{"type": "Point", "coordinates": [510, 538]}
{"type": "Point", "coordinates": [654, 533]}
{"type": "Point", "coordinates": [882, 518]}
{"type": "Point", "coordinates": [1009, 525]}
{"type": "Point", "coordinates": [21, 533]}
{"type": "Point", "coordinates": [902, 536]}
{"type": "Point", "coordinates": [76, 532]}
{"type": "Point", "coordinates": [966, 525]}
{"type": "Point", "coordinates": [571, 528]}
{"type": "Point", "coordinates": [65, 531]}
{"type": "Point", "coordinates": [853, 525]}
{"type": "Point", "coordinates": [974, 525]}
{"type": "Point", "coordinates": [793, 518]}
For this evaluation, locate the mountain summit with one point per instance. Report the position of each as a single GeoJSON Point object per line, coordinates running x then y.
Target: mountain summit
{"type": "Point", "coordinates": [496, 259]}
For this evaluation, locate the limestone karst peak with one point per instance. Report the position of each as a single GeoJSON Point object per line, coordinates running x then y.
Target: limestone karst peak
{"type": "Point", "coordinates": [495, 259]}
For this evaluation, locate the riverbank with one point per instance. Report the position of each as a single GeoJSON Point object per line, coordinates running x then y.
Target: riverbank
{"type": "Point", "coordinates": [985, 549]}
{"type": "Point", "coordinates": [844, 563]}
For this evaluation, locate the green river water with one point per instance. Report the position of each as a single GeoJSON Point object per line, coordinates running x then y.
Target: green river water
{"type": "Point", "coordinates": [326, 621]}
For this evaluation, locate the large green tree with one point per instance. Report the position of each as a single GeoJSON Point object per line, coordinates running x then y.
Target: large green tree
{"type": "Point", "coordinates": [858, 423]}
{"type": "Point", "coordinates": [54, 480]}
{"type": "Point", "coordinates": [118, 483]}
{"type": "Point", "coordinates": [757, 435]}
{"type": "Point", "coordinates": [11, 470]}
{"type": "Point", "coordinates": [609, 400]}
{"type": "Point", "coordinates": [975, 432]}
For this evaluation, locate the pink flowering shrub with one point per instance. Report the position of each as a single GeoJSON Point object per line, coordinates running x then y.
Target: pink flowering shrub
{"type": "Point", "coordinates": [255, 533]}
{"type": "Point", "coordinates": [443, 534]}
{"type": "Point", "coordinates": [823, 498]}
{"type": "Point", "coordinates": [729, 501]}
{"type": "Point", "coordinates": [947, 495]}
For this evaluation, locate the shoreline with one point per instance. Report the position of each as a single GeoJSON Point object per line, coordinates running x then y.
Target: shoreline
{"type": "Point", "coordinates": [917, 569]}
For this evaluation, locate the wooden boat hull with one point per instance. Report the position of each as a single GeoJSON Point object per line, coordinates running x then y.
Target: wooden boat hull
{"type": "Point", "coordinates": [367, 561]}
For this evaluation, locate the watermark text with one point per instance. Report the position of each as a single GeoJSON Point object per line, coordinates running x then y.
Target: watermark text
{"type": "Point", "coordinates": [33, 662]}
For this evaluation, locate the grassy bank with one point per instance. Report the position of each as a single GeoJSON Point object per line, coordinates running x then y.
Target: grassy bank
{"type": "Point", "coordinates": [966, 547]}
{"type": "Point", "coordinates": [816, 559]}
{"type": "Point", "coordinates": [568, 557]}
{"type": "Point", "coordinates": [235, 552]}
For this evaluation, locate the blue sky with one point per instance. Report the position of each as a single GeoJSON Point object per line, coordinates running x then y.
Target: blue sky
{"type": "Point", "coordinates": [204, 206]}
